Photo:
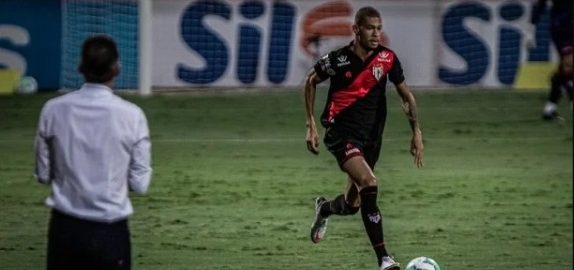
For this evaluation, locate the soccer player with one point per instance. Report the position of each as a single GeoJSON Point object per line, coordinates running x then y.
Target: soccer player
{"type": "Point", "coordinates": [354, 118]}
{"type": "Point", "coordinates": [92, 147]}
{"type": "Point", "coordinates": [561, 30]}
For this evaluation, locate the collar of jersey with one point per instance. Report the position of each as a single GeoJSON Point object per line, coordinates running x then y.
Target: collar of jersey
{"type": "Point", "coordinates": [377, 50]}
{"type": "Point", "coordinates": [96, 89]}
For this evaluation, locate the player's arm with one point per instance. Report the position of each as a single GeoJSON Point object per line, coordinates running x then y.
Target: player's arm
{"type": "Point", "coordinates": [312, 137]}
{"type": "Point", "coordinates": [139, 174]}
{"type": "Point", "coordinates": [410, 108]}
{"type": "Point", "coordinates": [42, 171]}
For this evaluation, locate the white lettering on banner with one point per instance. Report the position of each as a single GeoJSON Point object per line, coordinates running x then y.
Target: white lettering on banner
{"type": "Point", "coordinates": [487, 49]}
{"type": "Point", "coordinates": [19, 37]}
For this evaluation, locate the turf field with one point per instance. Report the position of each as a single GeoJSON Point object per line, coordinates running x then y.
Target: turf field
{"type": "Point", "coordinates": [233, 185]}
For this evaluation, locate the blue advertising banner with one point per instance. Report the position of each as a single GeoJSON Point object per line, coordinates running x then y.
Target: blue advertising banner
{"type": "Point", "coordinates": [30, 39]}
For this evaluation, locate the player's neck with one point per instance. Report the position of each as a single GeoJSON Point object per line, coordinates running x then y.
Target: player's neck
{"type": "Point", "coordinates": [360, 51]}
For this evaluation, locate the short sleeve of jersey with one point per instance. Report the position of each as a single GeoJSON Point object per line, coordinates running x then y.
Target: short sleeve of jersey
{"type": "Point", "coordinates": [396, 73]}
{"type": "Point", "coordinates": [324, 67]}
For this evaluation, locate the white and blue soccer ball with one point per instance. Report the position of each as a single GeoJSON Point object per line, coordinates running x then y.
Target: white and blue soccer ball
{"type": "Point", "coordinates": [422, 263]}
{"type": "Point", "coordinates": [28, 85]}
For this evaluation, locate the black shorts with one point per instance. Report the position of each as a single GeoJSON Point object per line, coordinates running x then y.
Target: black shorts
{"type": "Point", "coordinates": [561, 31]}
{"type": "Point", "coordinates": [344, 146]}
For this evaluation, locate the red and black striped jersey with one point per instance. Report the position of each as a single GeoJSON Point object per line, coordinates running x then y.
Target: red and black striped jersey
{"type": "Point", "coordinates": [356, 101]}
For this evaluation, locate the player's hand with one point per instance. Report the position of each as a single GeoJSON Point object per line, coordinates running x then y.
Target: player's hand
{"type": "Point", "coordinates": [417, 148]}
{"type": "Point", "coordinates": [312, 139]}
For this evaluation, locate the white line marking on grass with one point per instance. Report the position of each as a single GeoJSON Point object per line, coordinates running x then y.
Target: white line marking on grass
{"type": "Point", "coordinates": [279, 140]}
{"type": "Point", "coordinates": [302, 140]}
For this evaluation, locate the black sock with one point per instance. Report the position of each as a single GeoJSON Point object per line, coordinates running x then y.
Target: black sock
{"type": "Point", "coordinates": [325, 210]}
{"type": "Point", "coordinates": [568, 85]}
{"type": "Point", "coordinates": [337, 206]}
{"type": "Point", "coordinates": [373, 220]}
{"type": "Point", "coordinates": [555, 91]}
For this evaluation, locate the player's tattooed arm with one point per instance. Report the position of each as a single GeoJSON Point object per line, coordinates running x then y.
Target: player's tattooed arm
{"type": "Point", "coordinates": [408, 104]}
{"type": "Point", "coordinates": [410, 108]}
{"type": "Point", "coordinates": [312, 136]}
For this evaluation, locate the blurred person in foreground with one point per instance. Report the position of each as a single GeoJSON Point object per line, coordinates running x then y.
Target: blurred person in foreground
{"type": "Point", "coordinates": [561, 31]}
{"type": "Point", "coordinates": [92, 147]}
{"type": "Point", "coordinates": [354, 118]}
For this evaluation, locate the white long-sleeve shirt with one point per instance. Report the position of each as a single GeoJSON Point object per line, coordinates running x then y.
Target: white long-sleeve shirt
{"type": "Point", "coordinates": [93, 147]}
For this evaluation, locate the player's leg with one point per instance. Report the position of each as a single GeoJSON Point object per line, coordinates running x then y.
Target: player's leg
{"type": "Point", "coordinates": [337, 142]}
{"type": "Point", "coordinates": [568, 73]}
{"type": "Point", "coordinates": [562, 78]}
{"type": "Point", "coordinates": [358, 170]}
{"type": "Point", "coordinates": [344, 204]}
{"type": "Point", "coordinates": [352, 197]}
{"type": "Point", "coordinates": [550, 108]}
{"type": "Point", "coordinates": [341, 205]}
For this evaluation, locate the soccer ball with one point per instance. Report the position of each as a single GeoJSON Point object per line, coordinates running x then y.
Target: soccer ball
{"type": "Point", "coordinates": [422, 263]}
{"type": "Point", "coordinates": [28, 85]}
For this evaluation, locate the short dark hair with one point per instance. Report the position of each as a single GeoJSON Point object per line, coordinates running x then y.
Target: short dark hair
{"type": "Point", "coordinates": [365, 12]}
{"type": "Point", "coordinates": [99, 56]}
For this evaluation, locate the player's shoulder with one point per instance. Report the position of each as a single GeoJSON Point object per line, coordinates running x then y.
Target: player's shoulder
{"type": "Point", "coordinates": [386, 49]}
{"type": "Point", "coordinates": [342, 50]}
{"type": "Point", "coordinates": [386, 54]}
{"type": "Point", "coordinates": [127, 106]}
{"type": "Point", "coordinates": [328, 62]}
{"type": "Point", "coordinates": [58, 101]}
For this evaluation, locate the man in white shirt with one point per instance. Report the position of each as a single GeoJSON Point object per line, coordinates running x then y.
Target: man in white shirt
{"type": "Point", "coordinates": [92, 147]}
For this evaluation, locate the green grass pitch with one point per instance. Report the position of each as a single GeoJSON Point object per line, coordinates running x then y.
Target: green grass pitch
{"type": "Point", "coordinates": [233, 185]}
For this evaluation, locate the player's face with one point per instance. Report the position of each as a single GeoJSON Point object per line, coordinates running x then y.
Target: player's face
{"type": "Point", "coordinates": [369, 32]}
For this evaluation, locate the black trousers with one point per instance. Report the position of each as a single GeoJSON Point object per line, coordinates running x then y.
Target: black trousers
{"type": "Point", "coordinates": [75, 244]}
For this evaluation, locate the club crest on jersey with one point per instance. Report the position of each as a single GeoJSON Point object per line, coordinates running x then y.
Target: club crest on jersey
{"type": "Point", "coordinates": [378, 72]}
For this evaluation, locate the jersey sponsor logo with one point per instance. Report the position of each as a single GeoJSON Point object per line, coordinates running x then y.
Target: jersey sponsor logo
{"type": "Point", "coordinates": [343, 61]}
{"type": "Point", "coordinates": [378, 72]}
{"type": "Point", "coordinates": [384, 57]}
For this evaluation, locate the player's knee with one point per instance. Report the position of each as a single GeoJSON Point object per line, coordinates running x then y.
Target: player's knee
{"type": "Point", "coordinates": [567, 71]}
{"type": "Point", "coordinates": [368, 181]}
{"type": "Point", "coordinates": [566, 66]}
{"type": "Point", "coordinates": [356, 203]}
